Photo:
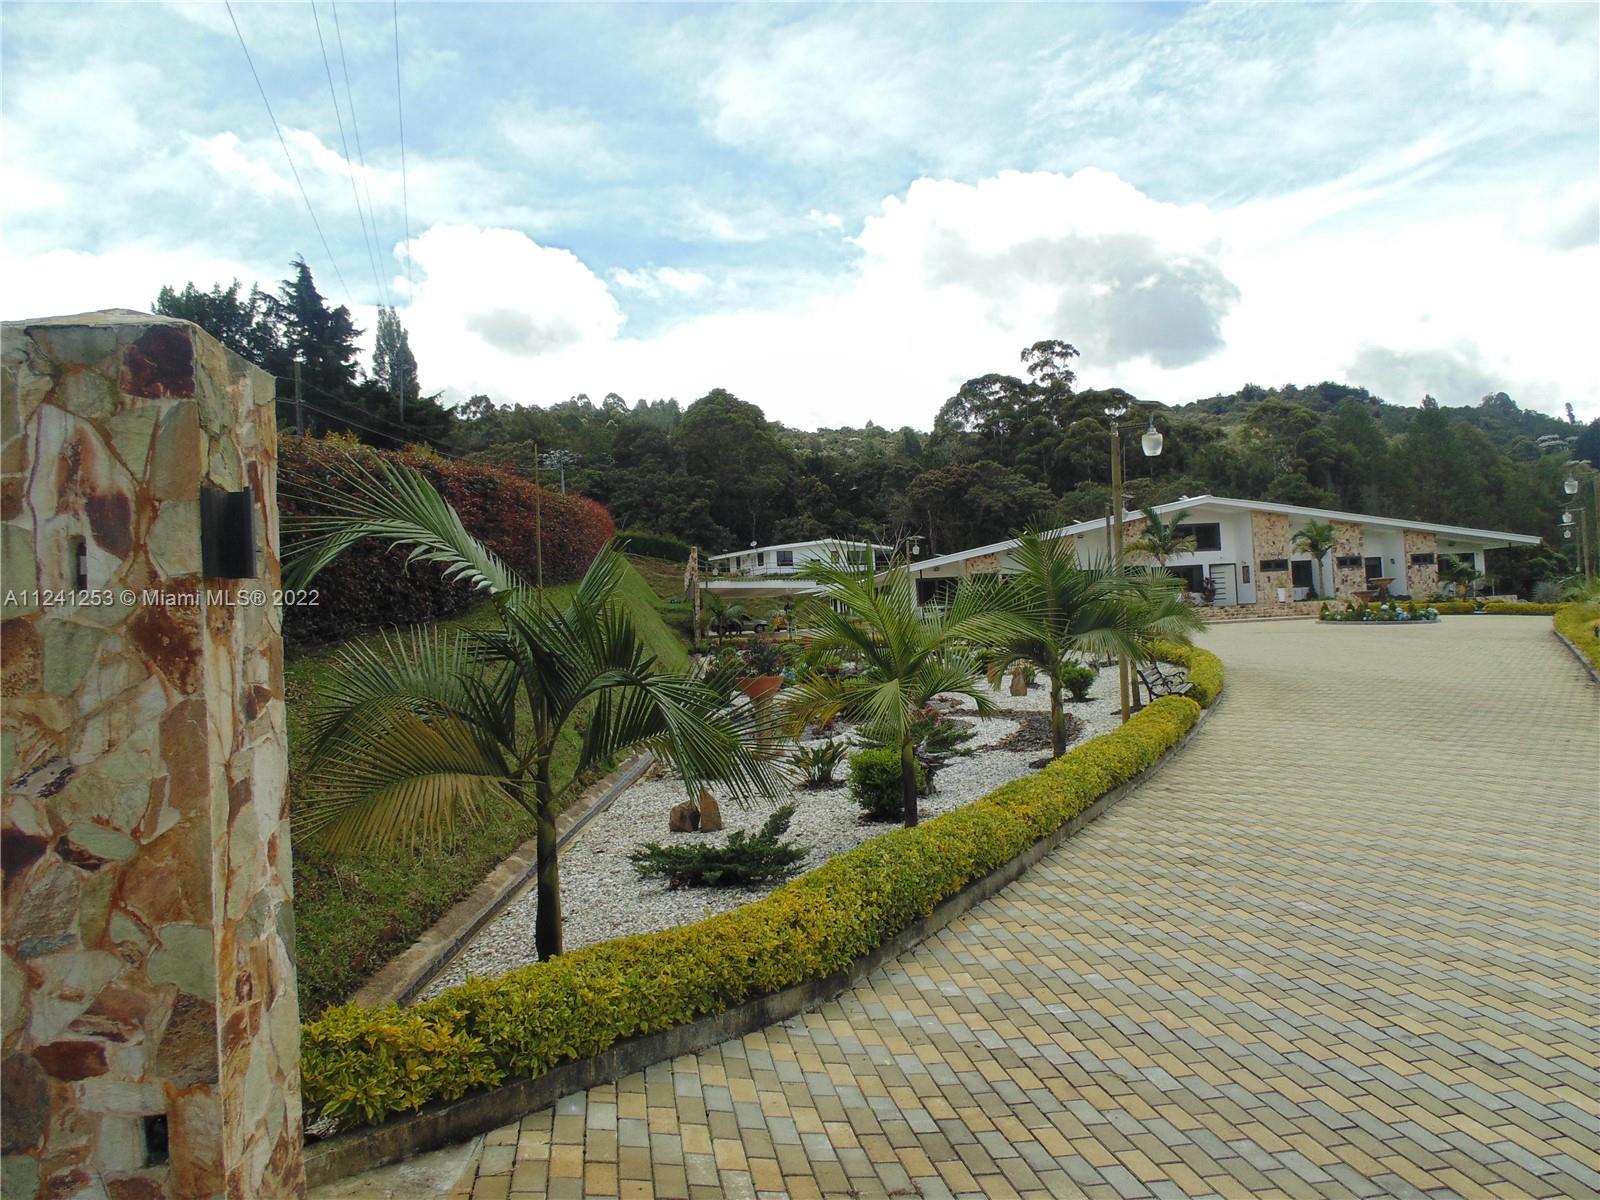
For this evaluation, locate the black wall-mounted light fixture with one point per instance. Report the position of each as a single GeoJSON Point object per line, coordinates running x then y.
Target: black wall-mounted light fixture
{"type": "Point", "coordinates": [228, 533]}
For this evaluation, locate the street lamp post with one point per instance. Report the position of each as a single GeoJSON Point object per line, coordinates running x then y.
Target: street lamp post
{"type": "Point", "coordinates": [1150, 443]}
{"type": "Point", "coordinates": [1588, 555]}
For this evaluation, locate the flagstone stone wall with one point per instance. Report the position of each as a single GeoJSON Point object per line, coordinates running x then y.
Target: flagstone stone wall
{"type": "Point", "coordinates": [1347, 543]}
{"type": "Point", "coordinates": [151, 1038]}
{"type": "Point", "coordinates": [1421, 581]}
{"type": "Point", "coordinates": [1269, 535]}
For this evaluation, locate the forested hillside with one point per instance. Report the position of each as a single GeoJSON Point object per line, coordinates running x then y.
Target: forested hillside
{"type": "Point", "coordinates": [1007, 450]}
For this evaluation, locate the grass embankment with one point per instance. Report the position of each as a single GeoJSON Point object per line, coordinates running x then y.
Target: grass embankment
{"type": "Point", "coordinates": [355, 912]}
{"type": "Point", "coordinates": [1580, 625]}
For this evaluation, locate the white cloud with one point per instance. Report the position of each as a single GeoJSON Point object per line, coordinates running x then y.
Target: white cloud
{"type": "Point", "coordinates": [560, 140]}
{"type": "Point", "coordinates": [954, 279]}
{"type": "Point", "coordinates": [72, 281]}
{"type": "Point", "coordinates": [496, 293]}
{"type": "Point", "coordinates": [660, 282]}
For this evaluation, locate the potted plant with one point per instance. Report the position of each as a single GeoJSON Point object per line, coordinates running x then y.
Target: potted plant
{"type": "Point", "coordinates": [763, 665]}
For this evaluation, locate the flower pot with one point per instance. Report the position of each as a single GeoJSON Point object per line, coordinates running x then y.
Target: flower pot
{"type": "Point", "coordinates": [761, 687]}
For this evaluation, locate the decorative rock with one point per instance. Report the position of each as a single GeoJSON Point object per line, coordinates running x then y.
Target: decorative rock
{"type": "Point", "coordinates": [1019, 680]}
{"type": "Point", "coordinates": [710, 813]}
{"type": "Point", "coordinates": [684, 818]}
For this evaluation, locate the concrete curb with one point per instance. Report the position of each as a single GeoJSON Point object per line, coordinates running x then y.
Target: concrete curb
{"type": "Point", "coordinates": [1583, 659]}
{"type": "Point", "coordinates": [412, 970]}
{"type": "Point", "coordinates": [445, 1122]}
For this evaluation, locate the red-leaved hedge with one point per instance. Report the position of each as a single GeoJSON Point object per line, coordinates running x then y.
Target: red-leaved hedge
{"type": "Point", "coordinates": [370, 586]}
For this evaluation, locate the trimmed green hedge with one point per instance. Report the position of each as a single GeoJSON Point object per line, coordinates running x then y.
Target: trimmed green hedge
{"type": "Point", "coordinates": [1519, 608]}
{"type": "Point", "coordinates": [360, 1065]}
{"type": "Point", "coordinates": [1580, 625]}
{"type": "Point", "coordinates": [1504, 608]}
{"type": "Point", "coordinates": [654, 545]}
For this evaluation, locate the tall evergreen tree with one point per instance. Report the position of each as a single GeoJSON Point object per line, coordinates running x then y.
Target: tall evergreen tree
{"type": "Point", "coordinates": [321, 339]}
{"type": "Point", "coordinates": [393, 364]}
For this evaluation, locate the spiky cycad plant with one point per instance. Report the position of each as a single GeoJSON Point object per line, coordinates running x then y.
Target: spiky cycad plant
{"type": "Point", "coordinates": [408, 742]}
{"type": "Point", "coordinates": [906, 657]}
{"type": "Point", "coordinates": [1160, 540]}
{"type": "Point", "coordinates": [1058, 611]}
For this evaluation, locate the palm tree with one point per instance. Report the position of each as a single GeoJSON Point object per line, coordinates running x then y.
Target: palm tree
{"type": "Point", "coordinates": [408, 742]}
{"type": "Point", "coordinates": [1057, 611]}
{"type": "Point", "coordinates": [723, 616]}
{"type": "Point", "coordinates": [1160, 539]}
{"type": "Point", "coordinates": [907, 657]}
{"type": "Point", "coordinates": [1459, 571]}
{"type": "Point", "coordinates": [1316, 539]}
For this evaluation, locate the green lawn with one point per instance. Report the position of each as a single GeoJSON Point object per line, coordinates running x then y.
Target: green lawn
{"type": "Point", "coordinates": [355, 912]}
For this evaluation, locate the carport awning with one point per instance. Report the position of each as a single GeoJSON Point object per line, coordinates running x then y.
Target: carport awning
{"type": "Point", "coordinates": [759, 589]}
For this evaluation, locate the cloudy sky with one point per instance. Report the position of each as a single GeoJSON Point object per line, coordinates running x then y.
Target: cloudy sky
{"type": "Point", "coordinates": [842, 213]}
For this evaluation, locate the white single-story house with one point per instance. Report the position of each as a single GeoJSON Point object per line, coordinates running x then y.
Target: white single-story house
{"type": "Point", "coordinates": [788, 557]}
{"type": "Point", "coordinates": [763, 571]}
{"type": "Point", "coordinates": [1245, 555]}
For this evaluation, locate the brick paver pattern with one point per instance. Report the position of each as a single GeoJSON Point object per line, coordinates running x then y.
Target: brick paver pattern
{"type": "Point", "coordinates": [1344, 944]}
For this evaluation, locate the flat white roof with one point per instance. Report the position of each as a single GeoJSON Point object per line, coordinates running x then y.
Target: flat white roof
{"type": "Point", "coordinates": [1455, 532]}
{"type": "Point", "coordinates": [798, 546]}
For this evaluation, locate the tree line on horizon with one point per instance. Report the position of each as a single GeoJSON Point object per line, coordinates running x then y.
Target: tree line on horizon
{"type": "Point", "coordinates": [1007, 451]}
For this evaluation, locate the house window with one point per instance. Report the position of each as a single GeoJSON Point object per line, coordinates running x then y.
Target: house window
{"type": "Point", "coordinates": [1374, 568]}
{"type": "Point", "coordinates": [1206, 537]}
{"type": "Point", "coordinates": [1244, 572]}
{"type": "Point", "coordinates": [1300, 572]}
{"type": "Point", "coordinates": [1274, 564]}
{"type": "Point", "coordinates": [761, 558]}
{"type": "Point", "coordinates": [1348, 561]}
{"type": "Point", "coordinates": [1193, 577]}
{"type": "Point", "coordinates": [785, 558]}
{"type": "Point", "coordinates": [937, 591]}
{"type": "Point", "coordinates": [1422, 560]}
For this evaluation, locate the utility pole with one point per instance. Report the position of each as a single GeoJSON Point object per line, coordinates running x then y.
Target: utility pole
{"type": "Point", "coordinates": [299, 419]}
{"type": "Point", "coordinates": [538, 524]}
{"type": "Point", "coordinates": [1116, 552]}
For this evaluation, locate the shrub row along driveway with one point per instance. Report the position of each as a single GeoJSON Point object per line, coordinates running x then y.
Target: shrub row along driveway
{"type": "Point", "coordinates": [1344, 944]}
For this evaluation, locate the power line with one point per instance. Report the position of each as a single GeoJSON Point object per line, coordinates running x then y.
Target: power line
{"type": "Point", "coordinates": [405, 194]}
{"type": "Point", "coordinates": [341, 417]}
{"type": "Point", "coordinates": [344, 144]}
{"type": "Point", "coordinates": [355, 127]}
{"type": "Point", "coordinates": [287, 156]}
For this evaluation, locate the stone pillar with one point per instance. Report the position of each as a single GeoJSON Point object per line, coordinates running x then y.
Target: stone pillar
{"type": "Point", "coordinates": [1269, 535]}
{"type": "Point", "coordinates": [1422, 581]}
{"type": "Point", "coordinates": [1347, 543]}
{"type": "Point", "coordinates": [151, 1034]}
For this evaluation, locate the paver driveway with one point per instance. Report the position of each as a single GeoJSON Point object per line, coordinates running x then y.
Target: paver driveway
{"type": "Point", "coordinates": [1344, 944]}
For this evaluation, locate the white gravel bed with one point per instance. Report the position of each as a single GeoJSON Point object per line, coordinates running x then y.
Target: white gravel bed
{"type": "Point", "coordinates": [603, 897]}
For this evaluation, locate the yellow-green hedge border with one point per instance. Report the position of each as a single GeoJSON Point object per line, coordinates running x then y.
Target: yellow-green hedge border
{"type": "Point", "coordinates": [1580, 625]}
{"type": "Point", "coordinates": [360, 1065]}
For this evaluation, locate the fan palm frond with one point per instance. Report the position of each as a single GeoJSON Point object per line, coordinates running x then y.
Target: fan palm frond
{"type": "Point", "coordinates": [410, 780]}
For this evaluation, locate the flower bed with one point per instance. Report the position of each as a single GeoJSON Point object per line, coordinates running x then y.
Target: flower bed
{"type": "Point", "coordinates": [1386, 613]}
{"type": "Point", "coordinates": [359, 1065]}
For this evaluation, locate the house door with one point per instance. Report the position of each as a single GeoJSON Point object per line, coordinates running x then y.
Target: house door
{"type": "Point", "coordinates": [1224, 576]}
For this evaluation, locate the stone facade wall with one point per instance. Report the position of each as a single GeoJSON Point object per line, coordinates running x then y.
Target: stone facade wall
{"type": "Point", "coordinates": [148, 928]}
{"type": "Point", "coordinates": [1269, 535]}
{"type": "Point", "coordinates": [1421, 582]}
{"type": "Point", "coordinates": [983, 564]}
{"type": "Point", "coordinates": [1347, 581]}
